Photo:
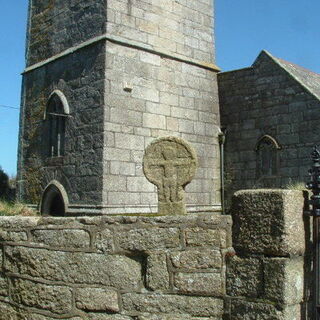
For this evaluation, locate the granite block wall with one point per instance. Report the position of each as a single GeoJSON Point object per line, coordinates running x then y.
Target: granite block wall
{"type": "Point", "coordinates": [166, 98]}
{"type": "Point", "coordinates": [56, 25]}
{"type": "Point", "coordinates": [265, 99]}
{"type": "Point", "coordinates": [179, 27]}
{"type": "Point", "coordinates": [175, 27]}
{"type": "Point", "coordinates": [162, 268]}
{"type": "Point", "coordinates": [144, 69]}
{"type": "Point", "coordinates": [270, 276]}
{"type": "Point", "coordinates": [81, 78]}
{"type": "Point", "coordinates": [114, 268]}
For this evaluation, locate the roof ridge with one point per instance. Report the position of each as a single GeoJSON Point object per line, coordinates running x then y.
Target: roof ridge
{"type": "Point", "coordinates": [286, 65]}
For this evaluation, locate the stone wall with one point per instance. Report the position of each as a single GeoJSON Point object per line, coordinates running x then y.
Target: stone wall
{"type": "Point", "coordinates": [118, 268]}
{"type": "Point", "coordinates": [181, 28]}
{"type": "Point", "coordinates": [81, 78]}
{"type": "Point", "coordinates": [144, 69]}
{"type": "Point", "coordinates": [162, 268]}
{"type": "Point", "coordinates": [160, 81]}
{"type": "Point", "coordinates": [270, 277]}
{"type": "Point", "coordinates": [267, 99]}
{"type": "Point", "coordinates": [168, 98]}
{"type": "Point", "coordinates": [56, 25]}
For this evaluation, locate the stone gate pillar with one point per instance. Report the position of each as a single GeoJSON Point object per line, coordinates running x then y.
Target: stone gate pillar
{"type": "Point", "coordinates": [269, 275]}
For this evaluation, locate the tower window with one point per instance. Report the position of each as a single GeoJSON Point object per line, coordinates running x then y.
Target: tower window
{"type": "Point", "coordinates": [56, 115]}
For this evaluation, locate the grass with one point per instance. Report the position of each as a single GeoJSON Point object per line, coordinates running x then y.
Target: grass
{"type": "Point", "coordinates": [15, 209]}
{"type": "Point", "coordinates": [291, 185]}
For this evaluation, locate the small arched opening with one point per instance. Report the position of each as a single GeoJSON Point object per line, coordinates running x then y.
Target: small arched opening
{"type": "Point", "coordinates": [54, 200]}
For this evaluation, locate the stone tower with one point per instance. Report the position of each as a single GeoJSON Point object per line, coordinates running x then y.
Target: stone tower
{"type": "Point", "coordinates": [103, 80]}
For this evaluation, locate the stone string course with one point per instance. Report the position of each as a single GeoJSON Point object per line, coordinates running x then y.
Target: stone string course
{"type": "Point", "coordinates": [181, 27]}
{"type": "Point", "coordinates": [117, 268]}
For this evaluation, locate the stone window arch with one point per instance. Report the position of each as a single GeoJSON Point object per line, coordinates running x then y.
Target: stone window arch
{"type": "Point", "coordinates": [54, 200]}
{"type": "Point", "coordinates": [56, 114]}
{"type": "Point", "coordinates": [267, 149]}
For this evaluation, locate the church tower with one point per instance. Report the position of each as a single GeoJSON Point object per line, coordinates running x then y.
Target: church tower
{"type": "Point", "coordinates": [103, 80]}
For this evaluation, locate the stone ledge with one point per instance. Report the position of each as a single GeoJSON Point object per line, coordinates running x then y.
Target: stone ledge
{"type": "Point", "coordinates": [204, 220]}
{"type": "Point", "coordinates": [129, 43]}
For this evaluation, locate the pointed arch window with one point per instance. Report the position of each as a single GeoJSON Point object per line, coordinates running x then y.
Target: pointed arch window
{"type": "Point", "coordinates": [57, 112]}
{"type": "Point", "coordinates": [267, 149]}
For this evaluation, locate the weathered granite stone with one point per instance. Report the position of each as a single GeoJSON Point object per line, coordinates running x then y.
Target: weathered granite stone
{"type": "Point", "coordinates": [246, 310]}
{"type": "Point", "coordinates": [64, 238]}
{"type": "Point", "coordinates": [57, 299]}
{"type": "Point", "coordinates": [244, 277]}
{"type": "Point", "coordinates": [269, 222]}
{"type": "Point", "coordinates": [197, 259]}
{"type": "Point", "coordinates": [292, 312]}
{"type": "Point", "coordinates": [97, 279]}
{"type": "Point", "coordinates": [172, 317]}
{"type": "Point", "coordinates": [198, 237]}
{"type": "Point", "coordinates": [154, 303]}
{"type": "Point", "coordinates": [157, 276]}
{"type": "Point", "coordinates": [170, 163]}
{"type": "Point", "coordinates": [85, 316]}
{"type": "Point", "coordinates": [97, 299]}
{"type": "Point", "coordinates": [14, 236]}
{"type": "Point", "coordinates": [11, 312]}
{"type": "Point", "coordinates": [199, 283]}
{"type": "Point", "coordinates": [34, 316]}
{"type": "Point", "coordinates": [1, 258]}
{"type": "Point", "coordinates": [283, 280]}
{"type": "Point", "coordinates": [150, 238]}
{"type": "Point", "coordinates": [104, 241]}
{"type": "Point", "coordinates": [102, 316]}
{"type": "Point", "coordinates": [75, 267]}
{"type": "Point", "coordinates": [18, 222]}
{"type": "Point", "coordinates": [4, 289]}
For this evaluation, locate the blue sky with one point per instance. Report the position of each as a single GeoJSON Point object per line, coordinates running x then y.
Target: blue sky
{"type": "Point", "coordinates": [289, 29]}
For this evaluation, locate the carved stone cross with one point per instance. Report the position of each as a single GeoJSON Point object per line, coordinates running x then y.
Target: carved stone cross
{"type": "Point", "coordinates": [170, 163]}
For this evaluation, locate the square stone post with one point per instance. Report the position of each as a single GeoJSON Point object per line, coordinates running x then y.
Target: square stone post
{"type": "Point", "coordinates": [269, 275]}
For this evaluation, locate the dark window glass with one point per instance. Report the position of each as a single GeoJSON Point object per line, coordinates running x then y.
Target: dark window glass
{"type": "Point", "coordinates": [56, 125]}
{"type": "Point", "coordinates": [267, 157]}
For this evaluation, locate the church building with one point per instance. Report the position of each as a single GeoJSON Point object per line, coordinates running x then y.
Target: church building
{"type": "Point", "coordinates": [103, 80]}
{"type": "Point", "coordinates": [270, 113]}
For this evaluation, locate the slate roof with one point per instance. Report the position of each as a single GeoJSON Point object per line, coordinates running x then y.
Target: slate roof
{"type": "Point", "coordinates": [310, 80]}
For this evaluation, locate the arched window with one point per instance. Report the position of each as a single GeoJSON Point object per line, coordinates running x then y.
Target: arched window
{"type": "Point", "coordinates": [56, 114]}
{"type": "Point", "coordinates": [267, 156]}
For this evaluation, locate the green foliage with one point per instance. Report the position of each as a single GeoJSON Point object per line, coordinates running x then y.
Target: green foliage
{"type": "Point", "coordinates": [33, 192]}
{"type": "Point", "coordinates": [4, 183]}
{"type": "Point", "coordinates": [8, 208]}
